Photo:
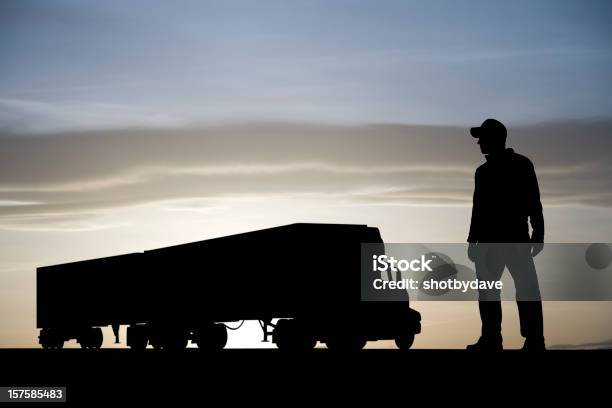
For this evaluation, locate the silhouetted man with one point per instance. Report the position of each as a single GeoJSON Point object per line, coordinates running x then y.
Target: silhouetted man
{"type": "Point", "coordinates": [506, 196]}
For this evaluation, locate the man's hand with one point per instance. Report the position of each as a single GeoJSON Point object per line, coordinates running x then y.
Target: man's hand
{"type": "Point", "coordinates": [536, 248]}
{"type": "Point", "coordinates": [472, 251]}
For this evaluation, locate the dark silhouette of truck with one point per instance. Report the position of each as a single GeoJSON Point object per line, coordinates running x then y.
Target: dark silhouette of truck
{"type": "Point", "coordinates": [305, 275]}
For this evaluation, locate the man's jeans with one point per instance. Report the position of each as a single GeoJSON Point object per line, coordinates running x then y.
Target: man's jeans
{"type": "Point", "coordinates": [491, 260]}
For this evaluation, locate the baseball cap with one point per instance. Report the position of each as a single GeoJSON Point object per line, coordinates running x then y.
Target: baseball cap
{"type": "Point", "coordinates": [490, 127]}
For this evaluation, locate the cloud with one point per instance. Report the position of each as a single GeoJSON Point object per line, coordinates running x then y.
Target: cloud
{"type": "Point", "coordinates": [40, 116]}
{"type": "Point", "coordinates": [69, 174]}
{"type": "Point", "coordinates": [60, 222]}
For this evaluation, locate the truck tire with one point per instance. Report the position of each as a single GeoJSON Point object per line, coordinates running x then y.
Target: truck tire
{"type": "Point", "coordinates": [291, 335]}
{"type": "Point", "coordinates": [404, 341]}
{"type": "Point", "coordinates": [91, 338]}
{"type": "Point", "coordinates": [213, 337]}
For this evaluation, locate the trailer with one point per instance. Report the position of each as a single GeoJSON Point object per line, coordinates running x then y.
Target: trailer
{"type": "Point", "coordinates": [300, 281]}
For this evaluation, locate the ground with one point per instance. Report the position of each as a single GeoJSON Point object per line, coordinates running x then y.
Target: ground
{"type": "Point", "coordinates": [114, 375]}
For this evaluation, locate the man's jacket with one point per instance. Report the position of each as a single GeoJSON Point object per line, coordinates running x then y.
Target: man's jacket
{"type": "Point", "coordinates": [506, 195]}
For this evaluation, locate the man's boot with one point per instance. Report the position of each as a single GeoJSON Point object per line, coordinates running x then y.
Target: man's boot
{"type": "Point", "coordinates": [487, 343]}
{"type": "Point", "coordinates": [534, 344]}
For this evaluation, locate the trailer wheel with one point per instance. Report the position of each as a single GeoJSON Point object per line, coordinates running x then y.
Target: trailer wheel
{"type": "Point", "coordinates": [91, 338]}
{"type": "Point", "coordinates": [137, 337]}
{"type": "Point", "coordinates": [169, 339]}
{"type": "Point", "coordinates": [404, 341]}
{"type": "Point", "coordinates": [50, 340]}
{"type": "Point", "coordinates": [291, 335]}
{"type": "Point", "coordinates": [213, 337]}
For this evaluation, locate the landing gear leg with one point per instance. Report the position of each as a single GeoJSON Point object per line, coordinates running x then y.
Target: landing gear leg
{"type": "Point", "coordinates": [264, 327]}
{"type": "Point", "coordinates": [116, 333]}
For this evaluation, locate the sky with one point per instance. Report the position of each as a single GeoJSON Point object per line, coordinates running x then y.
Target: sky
{"type": "Point", "coordinates": [76, 64]}
{"type": "Point", "coordinates": [128, 125]}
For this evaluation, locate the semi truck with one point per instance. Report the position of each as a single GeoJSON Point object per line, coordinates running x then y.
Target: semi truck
{"type": "Point", "coordinates": [302, 282]}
